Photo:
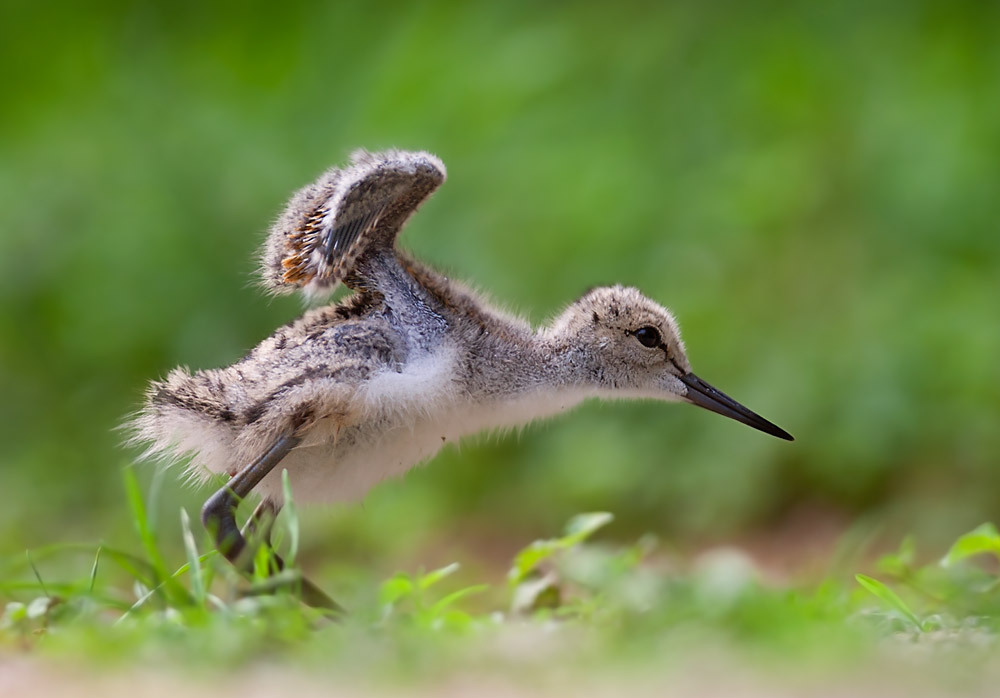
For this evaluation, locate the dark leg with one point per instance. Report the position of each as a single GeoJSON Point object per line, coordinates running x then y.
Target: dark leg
{"type": "Point", "coordinates": [261, 521]}
{"type": "Point", "coordinates": [219, 517]}
{"type": "Point", "coordinates": [219, 512]}
{"type": "Point", "coordinates": [258, 527]}
{"type": "Point", "coordinates": [258, 530]}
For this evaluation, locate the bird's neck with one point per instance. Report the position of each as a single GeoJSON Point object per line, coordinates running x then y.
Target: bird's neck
{"type": "Point", "coordinates": [540, 364]}
{"type": "Point", "coordinates": [516, 381]}
{"type": "Point", "coordinates": [567, 366]}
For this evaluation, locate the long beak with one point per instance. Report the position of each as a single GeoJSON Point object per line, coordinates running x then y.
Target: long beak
{"type": "Point", "coordinates": [702, 394]}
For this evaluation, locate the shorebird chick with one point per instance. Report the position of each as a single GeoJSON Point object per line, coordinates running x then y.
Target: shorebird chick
{"type": "Point", "coordinates": [352, 393]}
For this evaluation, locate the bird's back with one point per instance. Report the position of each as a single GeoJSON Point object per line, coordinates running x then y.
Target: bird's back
{"type": "Point", "coordinates": [208, 413]}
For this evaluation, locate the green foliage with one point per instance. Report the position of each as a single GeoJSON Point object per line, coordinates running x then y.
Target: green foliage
{"type": "Point", "coordinates": [889, 597]}
{"type": "Point", "coordinates": [403, 590]}
{"type": "Point", "coordinates": [621, 597]}
{"type": "Point", "coordinates": [578, 529]}
{"type": "Point", "coordinates": [952, 595]}
{"type": "Point", "coordinates": [983, 540]}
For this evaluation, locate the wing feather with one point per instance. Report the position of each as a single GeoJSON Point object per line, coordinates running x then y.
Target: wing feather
{"type": "Point", "coordinates": [328, 225]}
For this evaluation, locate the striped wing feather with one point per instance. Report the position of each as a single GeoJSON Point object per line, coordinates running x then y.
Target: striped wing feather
{"type": "Point", "coordinates": [328, 225]}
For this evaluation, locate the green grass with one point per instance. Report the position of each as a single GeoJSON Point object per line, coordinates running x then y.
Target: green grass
{"type": "Point", "coordinates": [568, 601]}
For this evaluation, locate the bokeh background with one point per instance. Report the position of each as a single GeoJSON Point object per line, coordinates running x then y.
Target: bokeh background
{"type": "Point", "coordinates": [811, 187]}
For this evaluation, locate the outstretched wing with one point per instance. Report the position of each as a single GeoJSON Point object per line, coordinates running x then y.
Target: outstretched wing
{"type": "Point", "coordinates": [328, 224]}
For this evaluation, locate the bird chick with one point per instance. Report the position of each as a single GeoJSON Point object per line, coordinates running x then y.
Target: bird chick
{"type": "Point", "coordinates": [355, 392]}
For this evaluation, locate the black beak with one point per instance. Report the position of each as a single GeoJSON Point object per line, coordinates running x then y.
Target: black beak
{"type": "Point", "coordinates": [702, 394]}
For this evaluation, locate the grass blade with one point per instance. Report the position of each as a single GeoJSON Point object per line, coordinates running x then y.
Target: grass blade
{"type": "Point", "coordinates": [163, 580]}
{"type": "Point", "coordinates": [442, 605]}
{"type": "Point", "coordinates": [888, 597]}
{"type": "Point", "coordinates": [292, 514]}
{"type": "Point", "coordinates": [93, 571]}
{"type": "Point", "coordinates": [38, 576]}
{"type": "Point", "coordinates": [194, 564]}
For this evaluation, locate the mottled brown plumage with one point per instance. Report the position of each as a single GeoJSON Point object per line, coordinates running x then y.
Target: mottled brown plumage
{"type": "Point", "coordinates": [328, 224]}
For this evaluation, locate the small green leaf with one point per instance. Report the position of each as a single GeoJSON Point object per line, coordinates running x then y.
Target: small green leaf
{"type": "Point", "coordinates": [451, 598]}
{"type": "Point", "coordinates": [395, 589]}
{"type": "Point", "coordinates": [982, 539]}
{"type": "Point", "coordinates": [579, 528]}
{"type": "Point", "coordinates": [582, 526]}
{"type": "Point", "coordinates": [889, 597]}
{"type": "Point", "coordinates": [433, 577]}
{"type": "Point", "coordinates": [529, 558]}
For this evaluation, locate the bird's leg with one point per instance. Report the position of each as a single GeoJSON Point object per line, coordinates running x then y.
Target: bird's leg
{"type": "Point", "coordinates": [219, 512]}
{"type": "Point", "coordinates": [262, 520]}
{"type": "Point", "coordinates": [219, 517]}
{"type": "Point", "coordinates": [257, 529]}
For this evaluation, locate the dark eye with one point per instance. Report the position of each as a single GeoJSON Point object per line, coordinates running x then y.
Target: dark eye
{"type": "Point", "coordinates": [648, 336]}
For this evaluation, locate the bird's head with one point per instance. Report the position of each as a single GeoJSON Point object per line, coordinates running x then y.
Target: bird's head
{"type": "Point", "coordinates": [630, 346]}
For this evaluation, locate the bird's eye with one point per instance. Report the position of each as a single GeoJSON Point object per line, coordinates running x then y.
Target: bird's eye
{"type": "Point", "coordinates": [648, 336]}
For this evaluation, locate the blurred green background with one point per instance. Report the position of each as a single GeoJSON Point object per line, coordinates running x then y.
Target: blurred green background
{"type": "Point", "coordinates": [811, 187]}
